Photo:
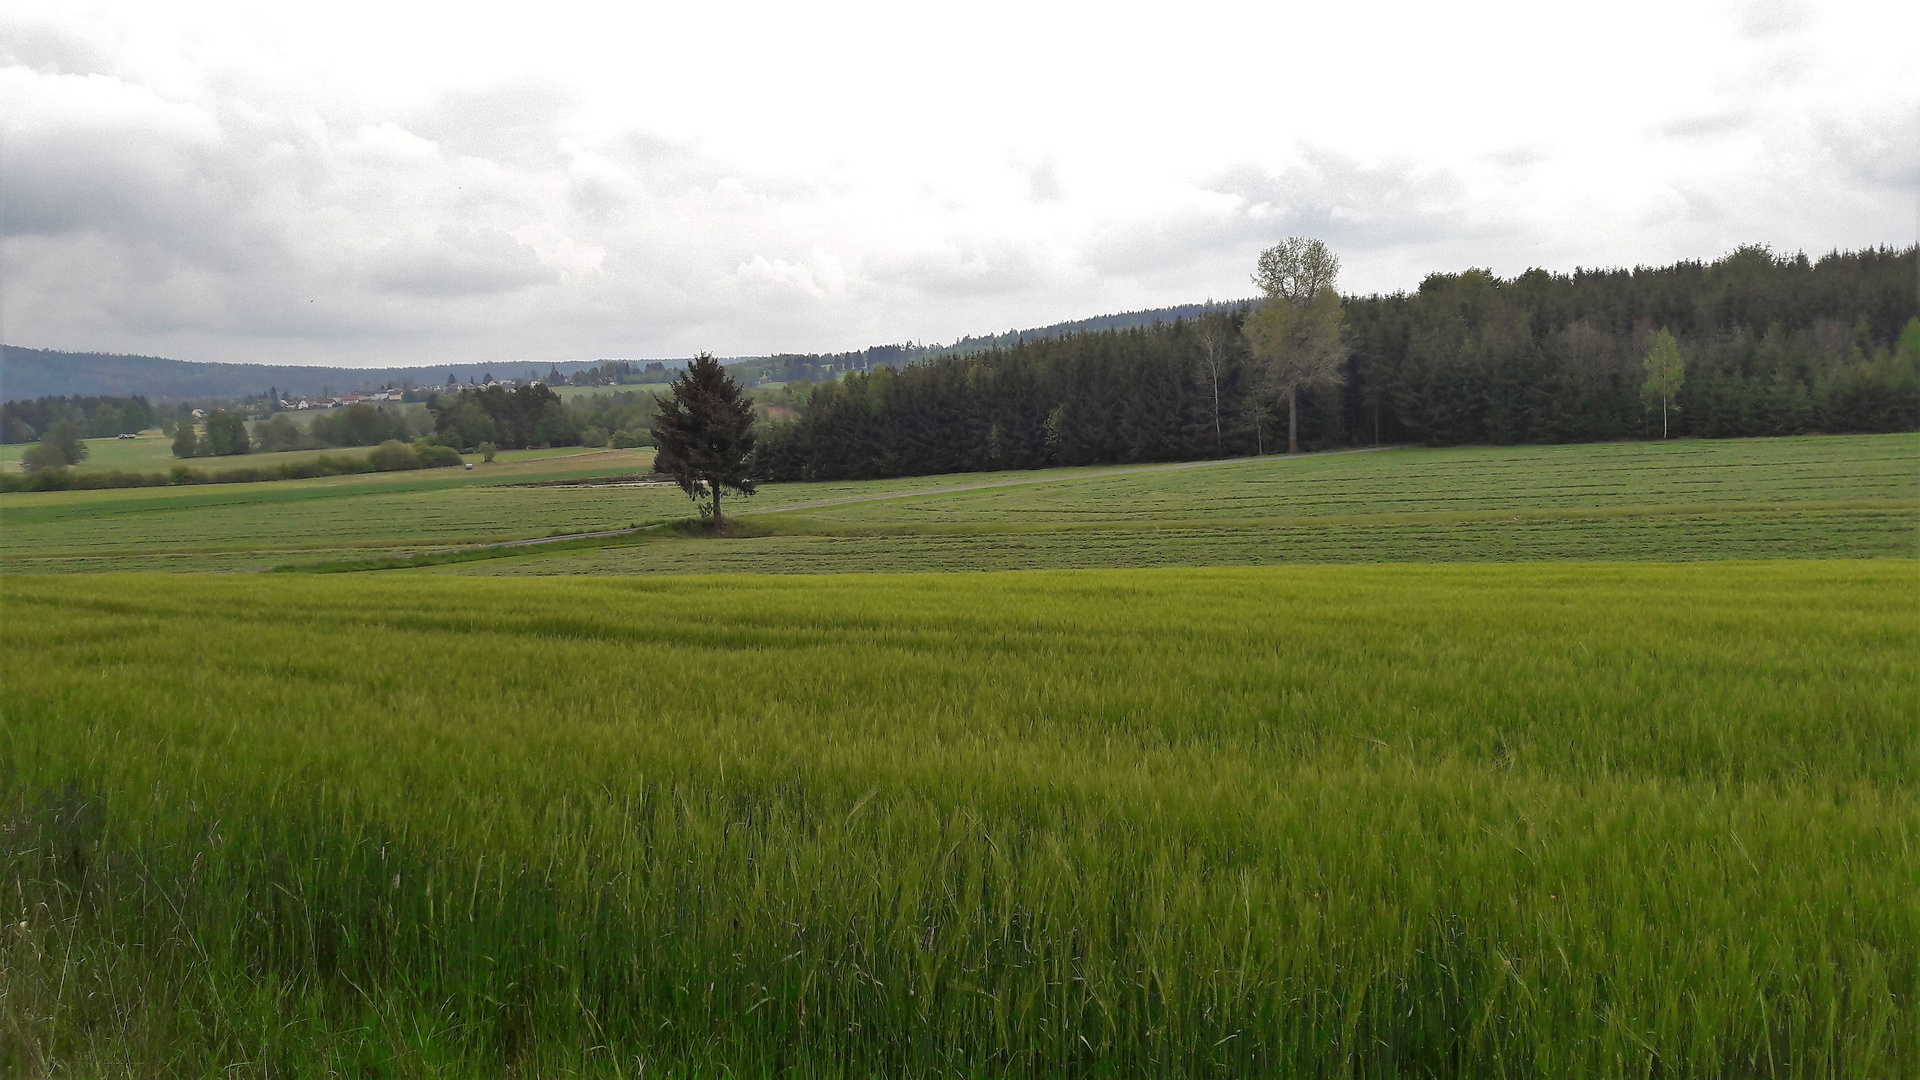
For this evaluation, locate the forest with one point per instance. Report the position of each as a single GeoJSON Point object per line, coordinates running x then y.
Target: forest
{"type": "Point", "coordinates": [92, 417]}
{"type": "Point", "coordinates": [1771, 345]}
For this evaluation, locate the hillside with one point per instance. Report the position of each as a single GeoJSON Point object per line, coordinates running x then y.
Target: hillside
{"type": "Point", "coordinates": [33, 373]}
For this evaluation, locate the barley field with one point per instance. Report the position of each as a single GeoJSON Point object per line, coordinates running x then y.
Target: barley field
{"type": "Point", "coordinates": [1551, 819]}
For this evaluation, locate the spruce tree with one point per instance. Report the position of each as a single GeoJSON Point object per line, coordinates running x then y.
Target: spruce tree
{"type": "Point", "coordinates": [704, 433]}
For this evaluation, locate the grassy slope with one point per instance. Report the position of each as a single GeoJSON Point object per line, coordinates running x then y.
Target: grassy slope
{"type": "Point", "coordinates": [255, 526]}
{"type": "Point", "coordinates": [1476, 479]}
{"type": "Point", "coordinates": [1451, 821]}
{"type": "Point", "coordinates": [153, 452]}
{"type": "Point", "coordinates": [1755, 498]}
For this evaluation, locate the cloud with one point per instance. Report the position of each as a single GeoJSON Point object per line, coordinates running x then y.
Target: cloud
{"type": "Point", "coordinates": [285, 188]}
{"type": "Point", "coordinates": [1356, 207]}
{"type": "Point", "coordinates": [1707, 126]}
{"type": "Point", "coordinates": [971, 267]}
{"type": "Point", "coordinates": [1341, 200]}
{"type": "Point", "coordinates": [517, 123]}
{"type": "Point", "coordinates": [48, 48]}
{"type": "Point", "coordinates": [1877, 148]}
{"type": "Point", "coordinates": [458, 261]}
{"type": "Point", "coordinates": [1773, 18]}
{"type": "Point", "coordinates": [1043, 180]}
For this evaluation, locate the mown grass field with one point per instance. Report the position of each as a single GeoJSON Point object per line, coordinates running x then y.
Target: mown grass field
{"type": "Point", "coordinates": [1818, 497]}
{"type": "Point", "coordinates": [153, 452]}
{"type": "Point", "coordinates": [1602, 820]}
{"type": "Point", "coordinates": [258, 526]}
{"type": "Point", "coordinates": [1748, 499]}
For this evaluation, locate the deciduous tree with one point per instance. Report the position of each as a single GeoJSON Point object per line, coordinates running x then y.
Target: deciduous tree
{"type": "Point", "coordinates": [227, 435]}
{"type": "Point", "coordinates": [62, 441]}
{"type": "Point", "coordinates": [1295, 333]}
{"type": "Point", "coordinates": [1213, 335]}
{"type": "Point", "coordinates": [1665, 372]}
{"type": "Point", "coordinates": [704, 431]}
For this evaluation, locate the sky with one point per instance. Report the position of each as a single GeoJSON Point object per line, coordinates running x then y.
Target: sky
{"type": "Point", "coordinates": [390, 183]}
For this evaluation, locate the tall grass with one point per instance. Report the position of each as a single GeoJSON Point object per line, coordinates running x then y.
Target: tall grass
{"type": "Point", "coordinates": [1468, 821]}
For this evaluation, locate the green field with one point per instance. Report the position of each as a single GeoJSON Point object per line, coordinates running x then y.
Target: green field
{"type": "Point", "coordinates": [1746, 499]}
{"type": "Point", "coordinates": [1589, 820]}
{"type": "Point", "coordinates": [153, 452]}
{"type": "Point", "coordinates": [1613, 772]}
{"type": "Point", "coordinates": [1855, 496]}
{"type": "Point", "coordinates": [258, 526]}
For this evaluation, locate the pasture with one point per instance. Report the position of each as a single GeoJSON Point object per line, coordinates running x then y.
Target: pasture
{"type": "Point", "coordinates": [261, 525]}
{"type": "Point", "coordinates": [1816, 497]}
{"type": "Point", "coordinates": [1566, 820]}
{"type": "Point", "coordinates": [152, 452]}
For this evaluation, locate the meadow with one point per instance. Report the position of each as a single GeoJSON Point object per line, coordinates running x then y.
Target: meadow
{"type": "Point", "coordinates": [259, 526]}
{"type": "Point", "coordinates": [1814, 497]}
{"type": "Point", "coordinates": [1582, 820]}
{"type": "Point", "coordinates": [152, 452]}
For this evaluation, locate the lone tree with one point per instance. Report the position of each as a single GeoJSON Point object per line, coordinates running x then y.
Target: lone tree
{"type": "Point", "coordinates": [1665, 371]}
{"type": "Point", "coordinates": [1295, 333]}
{"type": "Point", "coordinates": [704, 432]}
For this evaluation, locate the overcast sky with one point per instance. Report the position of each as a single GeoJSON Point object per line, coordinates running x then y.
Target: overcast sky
{"type": "Point", "coordinates": [383, 183]}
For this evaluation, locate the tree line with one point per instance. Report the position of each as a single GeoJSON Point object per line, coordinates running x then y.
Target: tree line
{"type": "Point", "coordinates": [495, 417]}
{"type": "Point", "coordinates": [91, 417]}
{"type": "Point", "coordinates": [513, 419]}
{"type": "Point", "coordinates": [1766, 345]}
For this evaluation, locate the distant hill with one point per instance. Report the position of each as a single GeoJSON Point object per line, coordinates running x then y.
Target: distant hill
{"type": "Point", "coordinates": [791, 367]}
{"type": "Point", "coordinates": [33, 373]}
{"type": "Point", "coordinates": [1126, 320]}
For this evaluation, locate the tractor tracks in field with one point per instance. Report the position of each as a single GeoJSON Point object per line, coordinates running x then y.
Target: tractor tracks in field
{"type": "Point", "coordinates": [1130, 470]}
{"type": "Point", "coordinates": [505, 547]}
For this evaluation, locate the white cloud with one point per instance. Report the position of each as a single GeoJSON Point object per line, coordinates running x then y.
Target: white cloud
{"type": "Point", "coordinates": [374, 183]}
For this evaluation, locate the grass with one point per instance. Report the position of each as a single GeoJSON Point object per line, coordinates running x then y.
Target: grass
{"type": "Point", "coordinates": [258, 526]}
{"type": "Point", "coordinates": [1854, 496]}
{"type": "Point", "coordinates": [1562, 820]}
{"type": "Point", "coordinates": [1745, 472]}
{"type": "Point", "coordinates": [1804, 532]}
{"type": "Point", "coordinates": [1779, 498]}
{"type": "Point", "coordinates": [153, 452]}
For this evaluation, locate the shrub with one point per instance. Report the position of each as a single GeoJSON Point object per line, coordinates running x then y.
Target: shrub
{"type": "Point", "coordinates": [435, 457]}
{"type": "Point", "coordinates": [487, 451]}
{"type": "Point", "coordinates": [393, 456]}
{"type": "Point", "coordinates": [593, 436]}
{"type": "Point", "coordinates": [43, 457]}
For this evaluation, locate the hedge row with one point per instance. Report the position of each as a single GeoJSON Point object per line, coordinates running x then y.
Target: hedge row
{"type": "Point", "coordinates": [391, 456]}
